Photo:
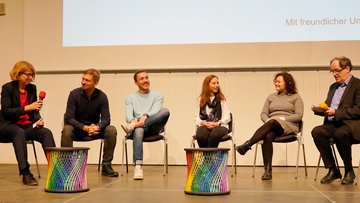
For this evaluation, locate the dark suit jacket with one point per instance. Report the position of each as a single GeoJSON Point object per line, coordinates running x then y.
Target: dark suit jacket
{"type": "Point", "coordinates": [349, 107]}
{"type": "Point", "coordinates": [10, 103]}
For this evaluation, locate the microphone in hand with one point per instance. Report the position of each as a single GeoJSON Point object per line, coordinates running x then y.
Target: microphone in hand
{"type": "Point", "coordinates": [42, 95]}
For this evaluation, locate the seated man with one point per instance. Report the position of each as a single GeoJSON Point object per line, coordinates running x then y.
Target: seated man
{"type": "Point", "coordinates": [341, 121]}
{"type": "Point", "coordinates": [87, 117]}
{"type": "Point", "coordinates": [145, 116]}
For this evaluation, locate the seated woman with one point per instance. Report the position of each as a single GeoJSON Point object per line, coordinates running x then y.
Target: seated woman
{"type": "Point", "coordinates": [281, 114]}
{"type": "Point", "coordinates": [20, 119]}
{"type": "Point", "coordinates": [212, 115]}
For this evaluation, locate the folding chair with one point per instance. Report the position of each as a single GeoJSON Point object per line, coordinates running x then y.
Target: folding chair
{"type": "Point", "coordinates": [287, 139]}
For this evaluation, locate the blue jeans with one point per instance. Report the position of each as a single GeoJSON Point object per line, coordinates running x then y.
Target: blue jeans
{"type": "Point", "coordinates": [153, 126]}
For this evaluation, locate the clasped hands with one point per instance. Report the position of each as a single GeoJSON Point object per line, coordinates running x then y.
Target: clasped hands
{"type": "Point", "coordinates": [91, 129]}
{"type": "Point", "coordinates": [139, 122]}
{"type": "Point", "coordinates": [210, 125]}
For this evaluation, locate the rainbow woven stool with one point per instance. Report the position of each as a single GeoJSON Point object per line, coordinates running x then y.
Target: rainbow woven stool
{"type": "Point", "coordinates": [207, 171]}
{"type": "Point", "coordinates": [66, 169]}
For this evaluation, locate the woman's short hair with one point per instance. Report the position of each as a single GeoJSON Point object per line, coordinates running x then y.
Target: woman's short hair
{"type": "Point", "coordinates": [22, 67]}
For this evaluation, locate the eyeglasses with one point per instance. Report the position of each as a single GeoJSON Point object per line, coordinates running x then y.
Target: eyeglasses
{"type": "Point", "coordinates": [27, 74]}
{"type": "Point", "coordinates": [337, 71]}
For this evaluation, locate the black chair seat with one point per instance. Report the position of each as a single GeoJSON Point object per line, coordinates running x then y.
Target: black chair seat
{"type": "Point", "coordinates": [84, 139]}
{"type": "Point", "coordinates": [5, 140]}
{"type": "Point", "coordinates": [223, 139]}
{"type": "Point", "coordinates": [226, 138]}
{"type": "Point", "coordinates": [147, 138]}
{"type": "Point", "coordinates": [286, 138]}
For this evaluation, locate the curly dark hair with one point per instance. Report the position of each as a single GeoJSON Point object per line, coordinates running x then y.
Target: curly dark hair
{"type": "Point", "coordinates": [290, 84]}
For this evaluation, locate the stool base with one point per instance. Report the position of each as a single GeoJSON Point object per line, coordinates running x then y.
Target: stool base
{"type": "Point", "coordinates": [207, 193]}
{"type": "Point", "coordinates": [67, 191]}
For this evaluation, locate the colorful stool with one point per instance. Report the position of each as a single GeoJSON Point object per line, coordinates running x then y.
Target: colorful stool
{"type": "Point", "coordinates": [207, 171]}
{"type": "Point", "coordinates": [66, 169]}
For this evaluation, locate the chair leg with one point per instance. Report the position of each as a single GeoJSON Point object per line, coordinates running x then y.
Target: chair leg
{"type": "Point", "coordinates": [317, 168]}
{"type": "Point", "coordinates": [100, 153]}
{"type": "Point", "coordinates": [232, 161]}
{"type": "Point", "coordinates": [256, 147]}
{"type": "Point", "coordinates": [36, 159]}
{"type": "Point", "coordinates": [303, 146]}
{"type": "Point", "coordinates": [192, 143]}
{"type": "Point", "coordinates": [165, 158]}
{"type": "Point", "coordinates": [336, 161]}
{"type": "Point", "coordinates": [234, 155]}
{"type": "Point", "coordinates": [126, 158]}
{"type": "Point", "coordinates": [122, 156]}
{"type": "Point", "coordinates": [297, 161]}
{"type": "Point", "coordinates": [357, 174]}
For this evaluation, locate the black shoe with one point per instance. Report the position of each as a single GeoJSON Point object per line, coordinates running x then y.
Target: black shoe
{"type": "Point", "coordinates": [107, 170]}
{"type": "Point", "coordinates": [267, 174]}
{"type": "Point", "coordinates": [349, 177]}
{"type": "Point", "coordinates": [242, 149]}
{"type": "Point", "coordinates": [332, 175]}
{"type": "Point", "coordinates": [28, 179]}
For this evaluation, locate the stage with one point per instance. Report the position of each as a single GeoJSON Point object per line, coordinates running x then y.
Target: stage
{"type": "Point", "coordinates": [158, 189]}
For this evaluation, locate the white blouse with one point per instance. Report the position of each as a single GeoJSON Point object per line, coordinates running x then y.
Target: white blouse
{"type": "Point", "coordinates": [225, 110]}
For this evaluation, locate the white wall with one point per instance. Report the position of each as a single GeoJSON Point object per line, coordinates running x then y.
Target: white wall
{"type": "Point", "coordinates": [11, 50]}
{"type": "Point", "coordinates": [246, 91]}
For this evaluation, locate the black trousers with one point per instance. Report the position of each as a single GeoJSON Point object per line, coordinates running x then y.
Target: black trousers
{"type": "Point", "coordinates": [342, 135]}
{"type": "Point", "coordinates": [19, 136]}
{"type": "Point", "coordinates": [210, 138]}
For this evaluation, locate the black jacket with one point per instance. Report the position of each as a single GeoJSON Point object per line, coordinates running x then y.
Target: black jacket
{"type": "Point", "coordinates": [11, 109]}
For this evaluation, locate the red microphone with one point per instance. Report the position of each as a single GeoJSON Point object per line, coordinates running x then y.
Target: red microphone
{"type": "Point", "coordinates": [42, 95]}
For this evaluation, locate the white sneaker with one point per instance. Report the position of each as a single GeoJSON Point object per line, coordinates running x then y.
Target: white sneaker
{"type": "Point", "coordinates": [128, 128]}
{"type": "Point", "coordinates": [138, 173]}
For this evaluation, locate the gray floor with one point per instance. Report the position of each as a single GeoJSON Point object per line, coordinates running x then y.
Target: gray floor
{"type": "Point", "coordinates": [157, 189]}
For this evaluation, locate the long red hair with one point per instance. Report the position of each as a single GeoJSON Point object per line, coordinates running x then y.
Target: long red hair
{"type": "Point", "coordinates": [205, 92]}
